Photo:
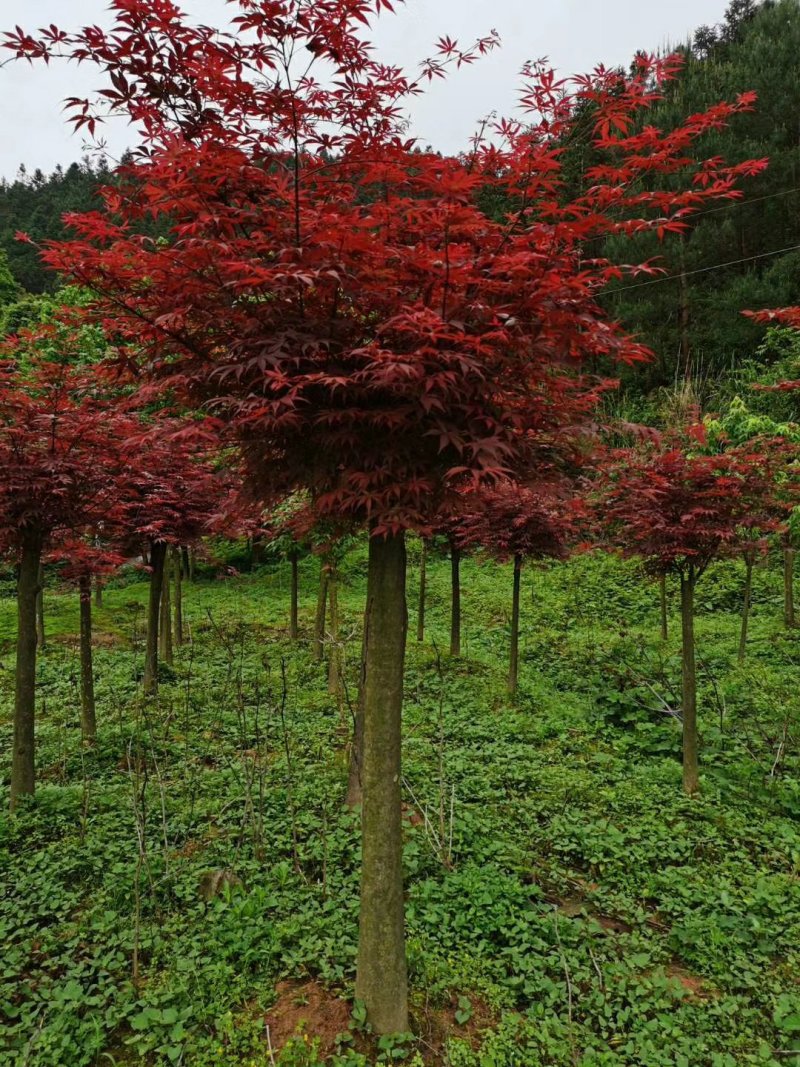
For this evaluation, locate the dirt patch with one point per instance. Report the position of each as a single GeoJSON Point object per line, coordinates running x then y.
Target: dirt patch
{"type": "Point", "coordinates": [307, 1008]}
{"type": "Point", "coordinates": [435, 1026]}
{"type": "Point", "coordinates": [694, 985]}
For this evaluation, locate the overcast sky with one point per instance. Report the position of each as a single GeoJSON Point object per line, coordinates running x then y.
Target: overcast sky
{"type": "Point", "coordinates": [575, 35]}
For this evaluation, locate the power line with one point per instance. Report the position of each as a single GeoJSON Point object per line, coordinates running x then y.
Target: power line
{"type": "Point", "coordinates": [742, 203]}
{"type": "Point", "coordinates": [702, 270]}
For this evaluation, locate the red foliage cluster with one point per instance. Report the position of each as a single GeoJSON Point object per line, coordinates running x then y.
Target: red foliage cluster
{"type": "Point", "coordinates": [512, 521]}
{"type": "Point", "coordinates": [677, 509]}
{"type": "Point", "coordinates": [371, 330]}
{"type": "Point", "coordinates": [61, 450]}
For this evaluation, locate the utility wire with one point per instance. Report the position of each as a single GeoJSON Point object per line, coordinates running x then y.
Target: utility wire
{"type": "Point", "coordinates": [701, 270]}
{"type": "Point", "coordinates": [742, 203]}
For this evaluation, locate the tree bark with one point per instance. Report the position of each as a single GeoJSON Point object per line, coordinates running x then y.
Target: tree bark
{"type": "Point", "coordinates": [381, 977]}
{"type": "Point", "coordinates": [455, 614]}
{"type": "Point", "coordinates": [23, 759]}
{"type": "Point", "coordinates": [513, 668]}
{"type": "Point", "coordinates": [748, 596]}
{"type": "Point", "coordinates": [423, 578]}
{"type": "Point", "coordinates": [98, 593]}
{"type": "Point", "coordinates": [41, 637]}
{"type": "Point", "coordinates": [691, 781]}
{"type": "Point", "coordinates": [294, 628]}
{"type": "Point", "coordinates": [334, 652]}
{"type": "Point", "coordinates": [788, 587]}
{"type": "Point", "coordinates": [88, 715]}
{"type": "Point", "coordinates": [165, 622]}
{"type": "Point", "coordinates": [158, 553]}
{"type": "Point", "coordinates": [322, 602]}
{"type": "Point", "coordinates": [662, 595]}
{"type": "Point", "coordinates": [177, 573]}
{"type": "Point", "coordinates": [188, 563]}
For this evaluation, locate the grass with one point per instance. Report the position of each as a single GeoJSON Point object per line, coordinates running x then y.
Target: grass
{"type": "Point", "coordinates": [567, 905]}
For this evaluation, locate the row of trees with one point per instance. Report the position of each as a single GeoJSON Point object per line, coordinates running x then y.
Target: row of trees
{"type": "Point", "coordinates": [365, 326]}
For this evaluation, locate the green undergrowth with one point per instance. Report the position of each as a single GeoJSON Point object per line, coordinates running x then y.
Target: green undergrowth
{"type": "Point", "coordinates": [567, 905]}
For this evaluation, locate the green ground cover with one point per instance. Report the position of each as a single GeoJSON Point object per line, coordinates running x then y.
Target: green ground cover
{"type": "Point", "coordinates": [567, 904]}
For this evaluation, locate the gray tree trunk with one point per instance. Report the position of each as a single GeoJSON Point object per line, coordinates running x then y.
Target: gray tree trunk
{"type": "Point", "coordinates": [41, 637]}
{"type": "Point", "coordinates": [748, 596]}
{"type": "Point", "coordinates": [423, 579]}
{"type": "Point", "coordinates": [177, 573]}
{"type": "Point", "coordinates": [691, 774]}
{"type": "Point", "coordinates": [88, 713]}
{"type": "Point", "coordinates": [157, 554]}
{"type": "Point", "coordinates": [322, 602]}
{"type": "Point", "coordinates": [165, 621]}
{"type": "Point", "coordinates": [294, 628]}
{"type": "Point", "coordinates": [513, 667]}
{"type": "Point", "coordinates": [455, 613]}
{"type": "Point", "coordinates": [788, 587]}
{"type": "Point", "coordinates": [23, 758]}
{"type": "Point", "coordinates": [381, 976]}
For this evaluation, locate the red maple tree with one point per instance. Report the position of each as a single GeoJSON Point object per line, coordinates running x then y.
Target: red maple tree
{"type": "Point", "coordinates": [371, 330]}
{"type": "Point", "coordinates": [61, 450]}
{"type": "Point", "coordinates": [514, 522]}
{"type": "Point", "coordinates": [678, 509]}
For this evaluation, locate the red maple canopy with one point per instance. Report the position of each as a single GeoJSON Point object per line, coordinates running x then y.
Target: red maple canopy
{"type": "Point", "coordinates": [374, 331]}
{"type": "Point", "coordinates": [678, 509]}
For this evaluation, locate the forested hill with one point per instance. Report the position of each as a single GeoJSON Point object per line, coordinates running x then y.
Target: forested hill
{"type": "Point", "coordinates": [738, 256]}
{"type": "Point", "coordinates": [741, 255]}
{"type": "Point", "coordinates": [34, 204]}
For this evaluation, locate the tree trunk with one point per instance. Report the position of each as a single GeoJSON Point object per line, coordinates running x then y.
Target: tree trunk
{"type": "Point", "coordinates": [158, 552]}
{"type": "Point", "coordinates": [748, 595]}
{"type": "Point", "coordinates": [334, 653]}
{"type": "Point", "coordinates": [690, 763]}
{"type": "Point", "coordinates": [177, 573]}
{"type": "Point", "coordinates": [381, 979]}
{"type": "Point", "coordinates": [88, 717]}
{"type": "Point", "coordinates": [98, 593]}
{"type": "Point", "coordinates": [23, 760]}
{"type": "Point", "coordinates": [188, 563]}
{"type": "Point", "coordinates": [422, 591]}
{"type": "Point", "coordinates": [294, 628]}
{"type": "Point", "coordinates": [455, 615]}
{"type": "Point", "coordinates": [788, 587]}
{"type": "Point", "coordinates": [513, 668]}
{"type": "Point", "coordinates": [41, 639]}
{"type": "Point", "coordinates": [662, 592]}
{"type": "Point", "coordinates": [165, 622]}
{"type": "Point", "coordinates": [322, 602]}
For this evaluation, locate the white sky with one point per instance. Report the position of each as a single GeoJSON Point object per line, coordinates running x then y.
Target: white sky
{"type": "Point", "coordinates": [575, 35]}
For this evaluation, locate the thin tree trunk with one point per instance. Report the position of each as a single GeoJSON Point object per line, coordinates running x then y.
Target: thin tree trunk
{"type": "Point", "coordinates": [691, 781]}
{"type": "Point", "coordinates": [294, 628]}
{"type": "Point", "coordinates": [455, 615]}
{"type": "Point", "coordinates": [158, 553]}
{"type": "Point", "coordinates": [165, 622]}
{"type": "Point", "coordinates": [355, 792]}
{"type": "Point", "coordinates": [322, 602]}
{"type": "Point", "coordinates": [381, 977]}
{"type": "Point", "coordinates": [177, 573]}
{"type": "Point", "coordinates": [422, 592]}
{"type": "Point", "coordinates": [41, 637]}
{"type": "Point", "coordinates": [88, 716]}
{"type": "Point", "coordinates": [788, 587]}
{"type": "Point", "coordinates": [748, 595]}
{"type": "Point", "coordinates": [662, 594]}
{"type": "Point", "coordinates": [98, 593]}
{"type": "Point", "coordinates": [513, 668]}
{"type": "Point", "coordinates": [334, 656]}
{"type": "Point", "coordinates": [23, 759]}
{"type": "Point", "coordinates": [190, 565]}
